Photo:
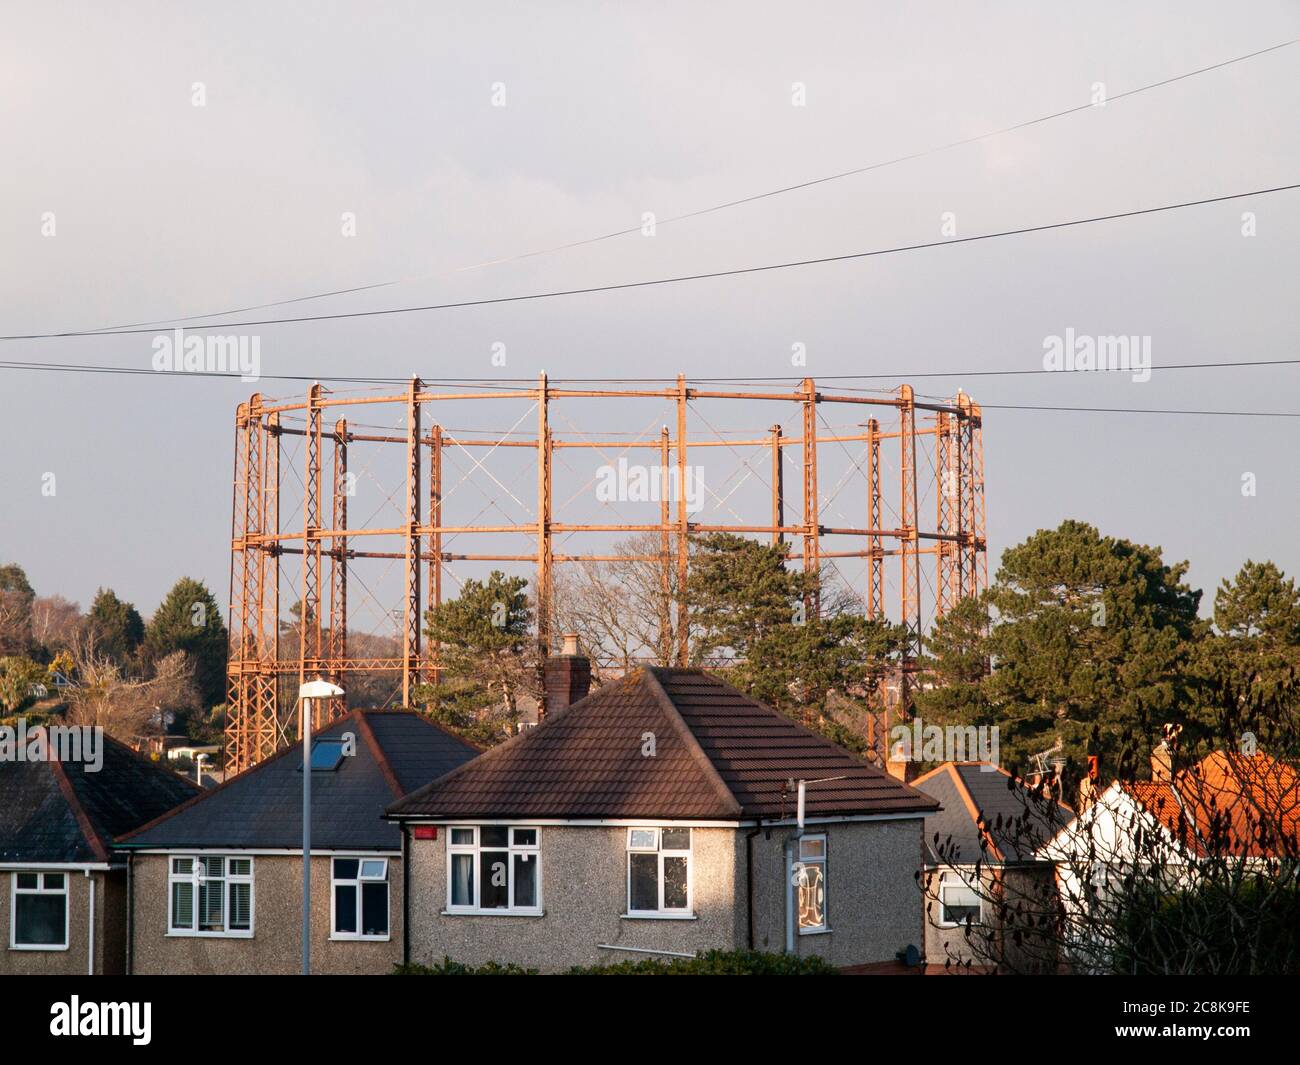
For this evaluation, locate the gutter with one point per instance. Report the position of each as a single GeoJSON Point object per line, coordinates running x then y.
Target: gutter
{"type": "Point", "coordinates": [749, 879]}
{"type": "Point", "coordinates": [130, 912]}
{"type": "Point", "coordinates": [406, 895]}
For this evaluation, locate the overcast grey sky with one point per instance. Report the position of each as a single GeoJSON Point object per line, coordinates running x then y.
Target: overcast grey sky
{"type": "Point", "coordinates": [163, 208]}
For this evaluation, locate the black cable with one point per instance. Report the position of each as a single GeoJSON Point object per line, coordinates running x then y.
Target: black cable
{"type": "Point", "coordinates": [724, 205]}
{"type": "Point", "coordinates": [681, 278]}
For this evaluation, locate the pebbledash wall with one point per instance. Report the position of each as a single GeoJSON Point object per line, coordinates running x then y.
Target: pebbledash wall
{"type": "Point", "coordinates": [109, 925]}
{"type": "Point", "coordinates": [874, 905]}
{"type": "Point", "coordinates": [276, 943]}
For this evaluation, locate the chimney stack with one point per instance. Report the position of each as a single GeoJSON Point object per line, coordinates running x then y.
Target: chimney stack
{"type": "Point", "coordinates": [1162, 757]}
{"type": "Point", "coordinates": [566, 677]}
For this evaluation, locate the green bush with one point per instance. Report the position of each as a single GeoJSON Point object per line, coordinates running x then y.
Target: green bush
{"type": "Point", "coordinates": [710, 963]}
{"type": "Point", "coordinates": [455, 968]}
{"type": "Point", "coordinates": [715, 963]}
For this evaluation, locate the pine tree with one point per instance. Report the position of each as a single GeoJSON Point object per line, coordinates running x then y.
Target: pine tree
{"type": "Point", "coordinates": [189, 620]}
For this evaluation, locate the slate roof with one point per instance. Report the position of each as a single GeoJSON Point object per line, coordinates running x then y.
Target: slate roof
{"type": "Point", "coordinates": [981, 800]}
{"type": "Point", "coordinates": [52, 811]}
{"type": "Point", "coordinates": [261, 808]}
{"type": "Point", "coordinates": [718, 755]}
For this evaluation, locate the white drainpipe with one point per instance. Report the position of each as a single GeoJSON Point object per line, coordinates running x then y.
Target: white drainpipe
{"type": "Point", "coordinates": [790, 848]}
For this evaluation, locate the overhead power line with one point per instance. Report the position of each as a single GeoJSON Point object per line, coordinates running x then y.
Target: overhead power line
{"type": "Point", "coordinates": [724, 205]}
{"type": "Point", "coordinates": [679, 279]}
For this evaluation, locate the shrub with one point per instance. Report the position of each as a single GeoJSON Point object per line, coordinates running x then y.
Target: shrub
{"type": "Point", "coordinates": [715, 963]}
{"type": "Point", "coordinates": [454, 968]}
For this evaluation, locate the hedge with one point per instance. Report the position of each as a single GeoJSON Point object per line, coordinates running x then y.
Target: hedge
{"type": "Point", "coordinates": [710, 963]}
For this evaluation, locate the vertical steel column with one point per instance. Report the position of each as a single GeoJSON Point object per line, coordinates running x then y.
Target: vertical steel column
{"type": "Point", "coordinates": [435, 542]}
{"type": "Point", "coordinates": [875, 553]}
{"type": "Point", "coordinates": [778, 487]}
{"type": "Point", "coordinates": [543, 596]}
{"type": "Point", "coordinates": [309, 626]}
{"type": "Point", "coordinates": [237, 701]}
{"type": "Point", "coordinates": [947, 553]}
{"type": "Point", "coordinates": [264, 480]}
{"type": "Point", "coordinates": [683, 528]}
{"type": "Point", "coordinates": [270, 687]}
{"type": "Point", "coordinates": [338, 628]}
{"type": "Point", "coordinates": [979, 573]}
{"type": "Point", "coordinates": [411, 620]}
{"type": "Point", "coordinates": [811, 511]}
{"type": "Point", "coordinates": [665, 648]}
{"type": "Point", "coordinates": [911, 575]}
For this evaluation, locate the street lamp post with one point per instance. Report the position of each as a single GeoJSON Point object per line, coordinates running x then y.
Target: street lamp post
{"type": "Point", "coordinates": [307, 694]}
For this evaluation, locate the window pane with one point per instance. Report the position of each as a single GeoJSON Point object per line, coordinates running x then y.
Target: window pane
{"type": "Point", "coordinates": [345, 868]}
{"type": "Point", "coordinates": [182, 866]}
{"type": "Point", "coordinates": [241, 907]}
{"type": "Point", "coordinates": [525, 879]}
{"type": "Point", "coordinates": [494, 880]}
{"type": "Point", "coordinates": [493, 836]}
{"type": "Point", "coordinates": [675, 839]}
{"type": "Point", "coordinates": [53, 881]}
{"type": "Point", "coordinates": [373, 868]}
{"type": "Point", "coordinates": [462, 880]}
{"type": "Point", "coordinates": [213, 866]}
{"type": "Point", "coordinates": [812, 848]}
{"type": "Point", "coordinates": [241, 866]}
{"type": "Point", "coordinates": [39, 920]}
{"type": "Point", "coordinates": [675, 883]}
{"type": "Point", "coordinates": [210, 906]}
{"type": "Point", "coordinates": [345, 907]}
{"type": "Point", "coordinates": [525, 837]}
{"type": "Point", "coordinates": [959, 902]}
{"type": "Point", "coordinates": [28, 881]}
{"type": "Point", "coordinates": [643, 839]}
{"type": "Point", "coordinates": [644, 891]}
{"type": "Point", "coordinates": [374, 908]}
{"type": "Point", "coordinates": [463, 836]}
{"type": "Point", "coordinates": [183, 905]}
{"type": "Point", "coordinates": [812, 897]}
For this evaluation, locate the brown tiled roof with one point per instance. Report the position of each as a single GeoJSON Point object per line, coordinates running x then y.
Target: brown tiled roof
{"type": "Point", "coordinates": [718, 755]}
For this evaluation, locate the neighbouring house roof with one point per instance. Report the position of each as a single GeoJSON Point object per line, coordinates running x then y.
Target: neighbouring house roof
{"type": "Point", "coordinates": [1228, 804]}
{"type": "Point", "coordinates": [983, 803]}
{"type": "Point", "coordinates": [55, 811]}
{"type": "Point", "coordinates": [261, 808]}
{"type": "Point", "coordinates": [667, 744]}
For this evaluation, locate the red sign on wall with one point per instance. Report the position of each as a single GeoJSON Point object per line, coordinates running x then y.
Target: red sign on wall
{"type": "Point", "coordinates": [426, 831]}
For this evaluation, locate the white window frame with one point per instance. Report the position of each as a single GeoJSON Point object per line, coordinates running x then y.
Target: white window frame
{"type": "Point", "coordinates": [533, 852]}
{"type": "Point", "coordinates": [686, 912]}
{"type": "Point", "coordinates": [227, 878]}
{"type": "Point", "coordinates": [954, 879]}
{"type": "Point", "coordinates": [357, 882]}
{"type": "Point", "coordinates": [821, 862]}
{"type": "Point", "coordinates": [40, 889]}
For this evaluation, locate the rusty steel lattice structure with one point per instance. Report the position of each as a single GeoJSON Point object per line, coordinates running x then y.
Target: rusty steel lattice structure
{"type": "Point", "coordinates": [902, 435]}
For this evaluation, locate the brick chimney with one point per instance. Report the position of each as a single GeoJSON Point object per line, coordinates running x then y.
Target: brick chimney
{"type": "Point", "coordinates": [1162, 756]}
{"type": "Point", "coordinates": [566, 677]}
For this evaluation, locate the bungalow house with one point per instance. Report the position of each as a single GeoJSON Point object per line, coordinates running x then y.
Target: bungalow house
{"type": "Point", "coordinates": [1182, 827]}
{"type": "Point", "coordinates": [985, 879]}
{"type": "Point", "coordinates": [62, 889]}
{"type": "Point", "coordinates": [216, 885]}
{"type": "Point", "coordinates": [662, 816]}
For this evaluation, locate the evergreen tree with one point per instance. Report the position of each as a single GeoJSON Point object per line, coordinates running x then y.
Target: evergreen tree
{"type": "Point", "coordinates": [117, 627]}
{"type": "Point", "coordinates": [189, 620]}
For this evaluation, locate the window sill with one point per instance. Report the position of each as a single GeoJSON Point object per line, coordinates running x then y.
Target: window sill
{"type": "Point", "coordinates": [209, 935]}
{"type": "Point", "coordinates": [649, 916]}
{"type": "Point", "coordinates": [815, 931]}
{"type": "Point", "coordinates": [50, 947]}
{"type": "Point", "coordinates": [345, 938]}
{"type": "Point", "coordinates": [492, 913]}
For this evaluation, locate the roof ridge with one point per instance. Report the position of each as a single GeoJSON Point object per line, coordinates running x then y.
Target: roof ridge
{"type": "Point", "coordinates": [976, 813]}
{"type": "Point", "coordinates": [692, 744]}
{"type": "Point", "coordinates": [230, 781]}
{"type": "Point", "coordinates": [514, 741]}
{"type": "Point", "coordinates": [87, 827]}
{"type": "Point", "coordinates": [377, 750]}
